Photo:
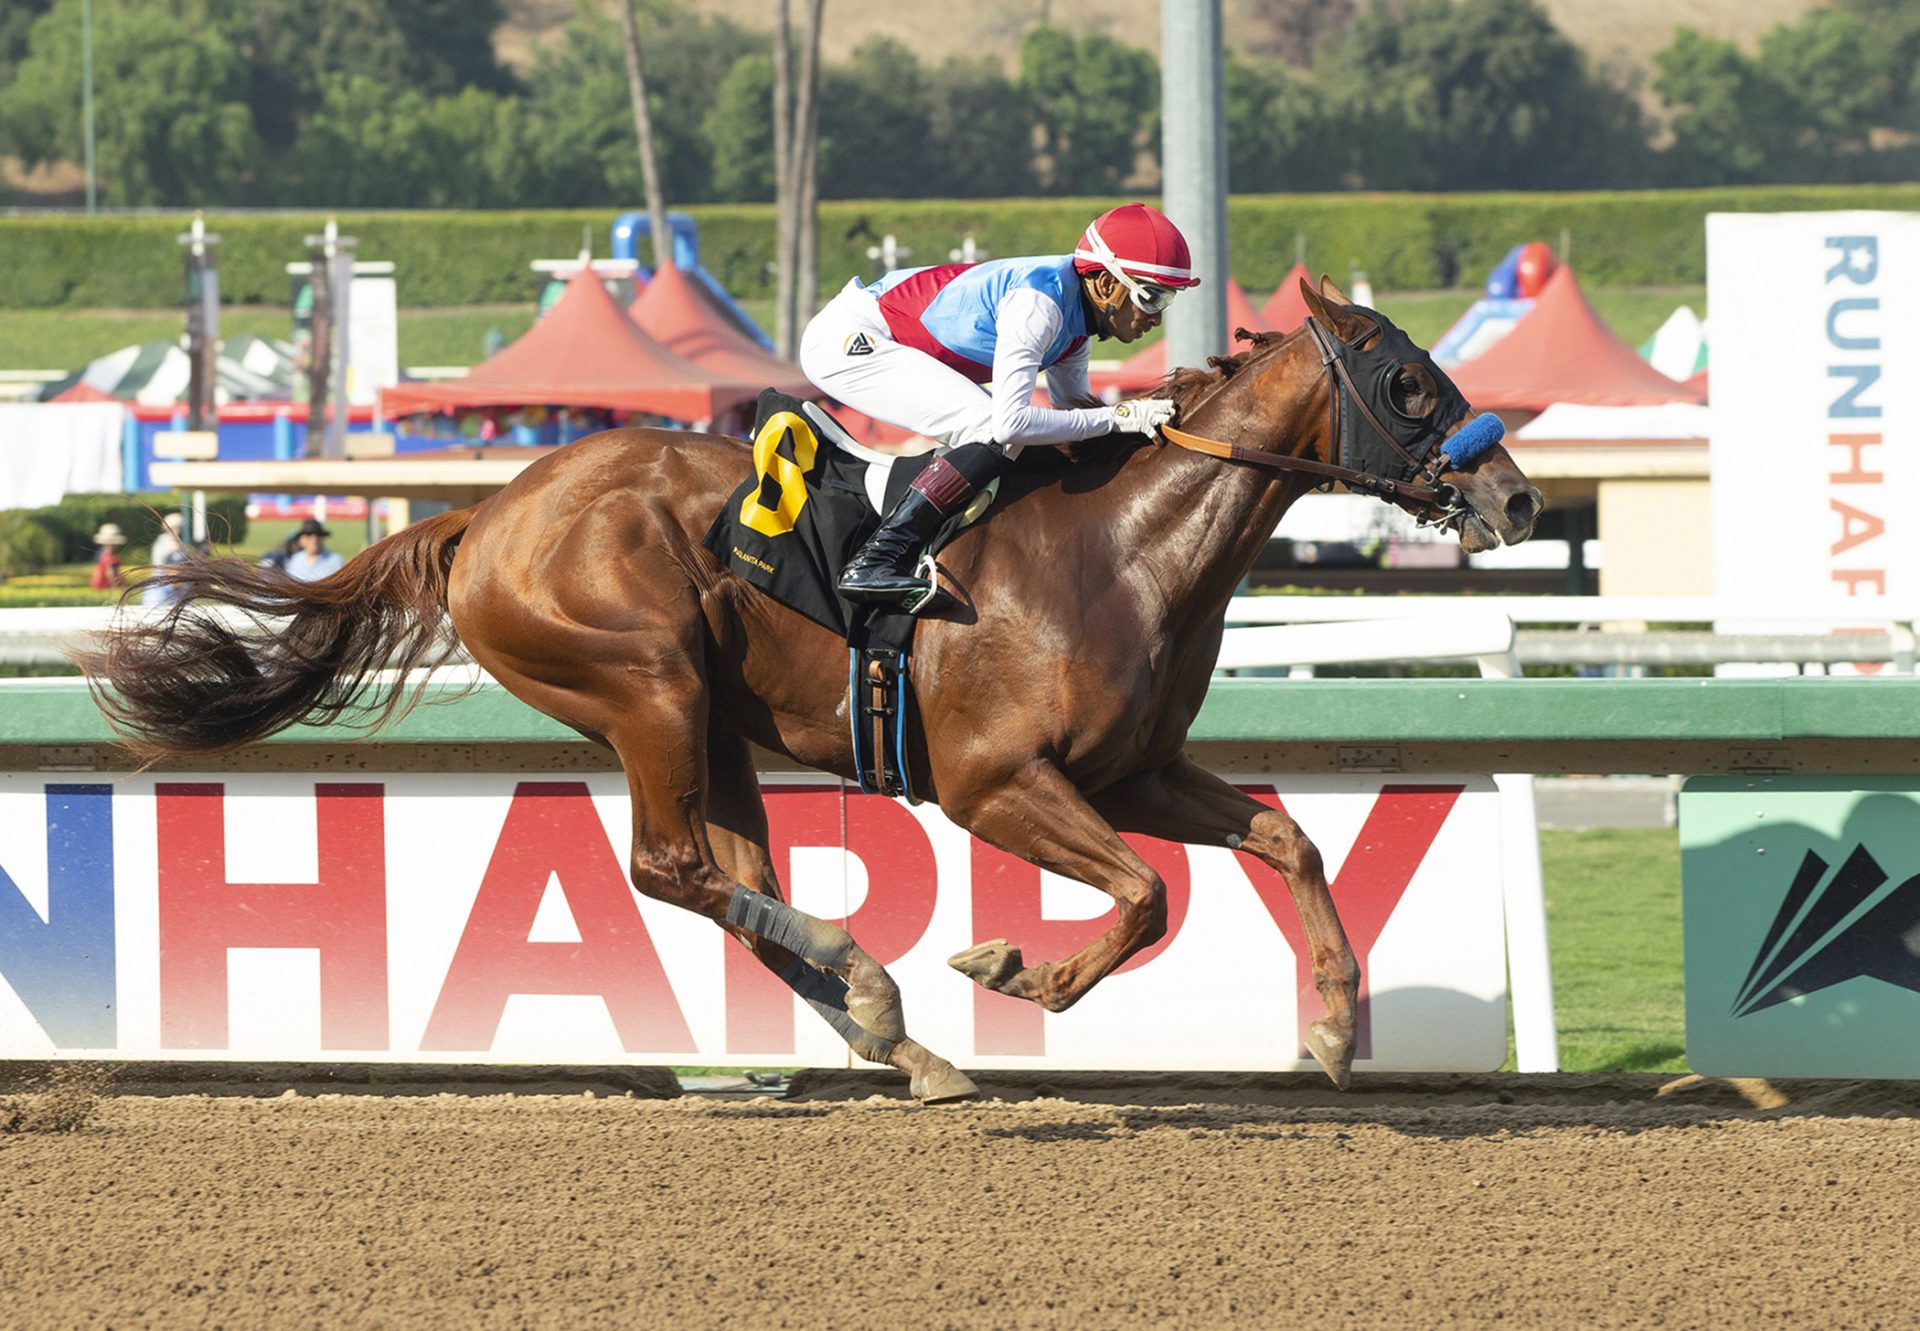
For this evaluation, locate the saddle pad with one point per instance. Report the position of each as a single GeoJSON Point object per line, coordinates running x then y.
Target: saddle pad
{"type": "Point", "coordinates": [792, 526]}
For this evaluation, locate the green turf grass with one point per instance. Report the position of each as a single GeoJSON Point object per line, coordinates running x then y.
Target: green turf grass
{"type": "Point", "coordinates": [1613, 922]}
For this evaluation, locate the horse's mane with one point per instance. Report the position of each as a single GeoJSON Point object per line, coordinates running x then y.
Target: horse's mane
{"type": "Point", "coordinates": [1189, 387]}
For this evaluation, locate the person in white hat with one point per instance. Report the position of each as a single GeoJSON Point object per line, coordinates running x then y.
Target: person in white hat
{"type": "Point", "coordinates": [106, 567]}
{"type": "Point", "coordinates": [918, 348]}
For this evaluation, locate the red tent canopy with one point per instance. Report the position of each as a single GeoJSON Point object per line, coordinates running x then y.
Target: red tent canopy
{"type": "Point", "coordinates": [677, 313]}
{"type": "Point", "coordinates": [584, 352]}
{"type": "Point", "coordinates": [1149, 366]}
{"type": "Point", "coordinates": [1561, 352]}
{"type": "Point", "coordinates": [1284, 310]}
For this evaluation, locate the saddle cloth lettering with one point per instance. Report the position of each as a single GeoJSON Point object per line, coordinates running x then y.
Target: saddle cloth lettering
{"type": "Point", "coordinates": [793, 525]}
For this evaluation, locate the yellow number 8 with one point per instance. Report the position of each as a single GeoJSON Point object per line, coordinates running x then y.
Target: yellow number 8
{"type": "Point", "coordinates": [789, 476]}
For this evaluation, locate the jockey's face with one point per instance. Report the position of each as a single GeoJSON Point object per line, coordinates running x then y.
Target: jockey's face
{"type": "Point", "coordinates": [1123, 319]}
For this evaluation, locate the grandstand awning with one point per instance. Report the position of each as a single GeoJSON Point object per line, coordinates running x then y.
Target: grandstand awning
{"type": "Point", "coordinates": [678, 314]}
{"type": "Point", "coordinates": [584, 352]}
{"type": "Point", "coordinates": [1562, 352]}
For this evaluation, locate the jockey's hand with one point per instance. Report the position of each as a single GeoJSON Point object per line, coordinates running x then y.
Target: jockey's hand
{"type": "Point", "coordinates": [1143, 415]}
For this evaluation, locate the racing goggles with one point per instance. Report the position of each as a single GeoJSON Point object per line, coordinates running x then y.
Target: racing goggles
{"type": "Point", "coordinates": [1150, 297]}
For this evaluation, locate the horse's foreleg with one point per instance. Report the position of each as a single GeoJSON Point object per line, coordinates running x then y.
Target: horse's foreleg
{"type": "Point", "coordinates": [819, 961]}
{"type": "Point", "coordinates": [1040, 816]}
{"type": "Point", "coordinates": [1184, 802]}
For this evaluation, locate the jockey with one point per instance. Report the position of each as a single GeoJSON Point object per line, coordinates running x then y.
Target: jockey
{"type": "Point", "coordinates": [919, 347]}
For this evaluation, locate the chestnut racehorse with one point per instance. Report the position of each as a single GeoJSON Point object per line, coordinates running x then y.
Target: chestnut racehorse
{"type": "Point", "coordinates": [1054, 702]}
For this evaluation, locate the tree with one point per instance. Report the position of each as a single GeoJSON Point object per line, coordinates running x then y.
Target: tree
{"type": "Point", "coordinates": [980, 132]}
{"type": "Point", "coordinates": [427, 46]}
{"type": "Point", "coordinates": [1833, 77]}
{"type": "Point", "coordinates": [1727, 113]}
{"type": "Point", "coordinates": [643, 133]}
{"type": "Point", "coordinates": [578, 94]}
{"type": "Point", "coordinates": [875, 126]}
{"type": "Point", "coordinates": [1278, 135]}
{"type": "Point", "coordinates": [738, 128]}
{"type": "Point", "coordinates": [1093, 98]}
{"type": "Point", "coordinates": [1479, 94]}
{"type": "Point", "coordinates": [171, 118]}
{"type": "Point", "coordinates": [1293, 31]}
{"type": "Point", "coordinates": [796, 143]}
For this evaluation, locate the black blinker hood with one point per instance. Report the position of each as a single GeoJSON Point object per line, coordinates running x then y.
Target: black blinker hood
{"type": "Point", "coordinates": [1372, 373]}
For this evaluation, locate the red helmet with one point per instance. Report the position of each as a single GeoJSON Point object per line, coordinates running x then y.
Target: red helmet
{"type": "Point", "coordinates": [1136, 242]}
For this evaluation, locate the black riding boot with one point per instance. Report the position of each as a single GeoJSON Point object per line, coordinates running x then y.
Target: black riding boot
{"type": "Point", "coordinates": [883, 569]}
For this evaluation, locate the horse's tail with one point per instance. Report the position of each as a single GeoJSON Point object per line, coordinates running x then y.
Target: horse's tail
{"type": "Point", "coordinates": [244, 651]}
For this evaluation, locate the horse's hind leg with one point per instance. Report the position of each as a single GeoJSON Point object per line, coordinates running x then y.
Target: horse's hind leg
{"type": "Point", "coordinates": [1184, 802]}
{"type": "Point", "coordinates": [820, 961]}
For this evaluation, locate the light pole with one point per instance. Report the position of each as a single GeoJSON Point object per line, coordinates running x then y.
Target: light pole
{"type": "Point", "coordinates": [1193, 156]}
{"type": "Point", "coordinates": [86, 96]}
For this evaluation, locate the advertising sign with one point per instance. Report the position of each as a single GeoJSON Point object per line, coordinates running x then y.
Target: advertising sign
{"type": "Point", "coordinates": [477, 917]}
{"type": "Point", "coordinates": [1802, 904]}
{"type": "Point", "coordinates": [1815, 318]}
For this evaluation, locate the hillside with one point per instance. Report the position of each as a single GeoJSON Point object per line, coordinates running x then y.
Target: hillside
{"type": "Point", "coordinates": [1618, 34]}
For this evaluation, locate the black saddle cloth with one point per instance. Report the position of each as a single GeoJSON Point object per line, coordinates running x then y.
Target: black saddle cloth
{"type": "Point", "coordinates": [794, 524]}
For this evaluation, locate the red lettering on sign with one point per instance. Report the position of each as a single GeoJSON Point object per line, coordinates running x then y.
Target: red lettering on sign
{"type": "Point", "coordinates": [343, 915]}
{"type": "Point", "coordinates": [1856, 472]}
{"type": "Point", "coordinates": [1006, 904]}
{"type": "Point", "coordinates": [902, 884]}
{"type": "Point", "coordinates": [553, 833]}
{"type": "Point", "coordinates": [1400, 828]}
{"type": "Point", "coordinates": [1857, 526]}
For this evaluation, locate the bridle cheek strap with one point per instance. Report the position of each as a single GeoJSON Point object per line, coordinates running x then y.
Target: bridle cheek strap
{"type": "Point", "coordinates": [1353, 480]}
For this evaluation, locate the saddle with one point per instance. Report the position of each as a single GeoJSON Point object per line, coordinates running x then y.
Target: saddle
{"type": "Point", "coordinates": [814, 497]}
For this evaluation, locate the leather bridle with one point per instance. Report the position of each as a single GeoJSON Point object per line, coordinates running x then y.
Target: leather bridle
{"type": "Point", "coordinates": [1444, 502]}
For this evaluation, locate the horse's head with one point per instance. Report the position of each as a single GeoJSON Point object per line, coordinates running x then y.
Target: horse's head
{"type": "Point", "coordinates": [1397, 418]}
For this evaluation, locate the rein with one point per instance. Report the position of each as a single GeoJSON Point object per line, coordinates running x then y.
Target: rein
{"type": "Point", "coordinates": [1428, 494]}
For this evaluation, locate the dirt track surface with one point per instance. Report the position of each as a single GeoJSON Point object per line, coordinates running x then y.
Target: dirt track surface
{"type": "Point", "coordinates": [1583, 1202]}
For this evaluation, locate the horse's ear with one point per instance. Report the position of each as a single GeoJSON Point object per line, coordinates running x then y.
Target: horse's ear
{"type": "Point", "coordinates": [1332, 292]}
{"type": "Point", "coordinates": [1315, 305]}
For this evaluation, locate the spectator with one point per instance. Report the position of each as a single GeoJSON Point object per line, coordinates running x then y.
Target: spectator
{"type": "Point", "coordinates": [278, 556]}
{"type": "Point", "coordinates": [106, 568]}
{"type": "Point", "coordinates": [312, 561]}
{"type": "Point", "coordinates": [168, 550]}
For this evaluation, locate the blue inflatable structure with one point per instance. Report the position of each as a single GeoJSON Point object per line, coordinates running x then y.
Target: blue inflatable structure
{"type": "Point", "coordinates": [630, 228]}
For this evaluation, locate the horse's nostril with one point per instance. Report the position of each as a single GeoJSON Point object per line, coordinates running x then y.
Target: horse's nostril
{"type": "Point", "coordinates": [1523, 507]}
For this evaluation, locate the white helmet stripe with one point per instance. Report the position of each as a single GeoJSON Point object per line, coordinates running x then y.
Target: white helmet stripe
{"type": "Point", "coordinates": [1133, 265]}
{"type": "Point", "coordinates": [1104, 256]}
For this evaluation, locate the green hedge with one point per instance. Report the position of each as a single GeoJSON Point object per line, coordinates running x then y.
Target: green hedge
{"type": "Point", "coordinates": [1404, 241]}
{"type": "Point", "coordinates": [63, 534]}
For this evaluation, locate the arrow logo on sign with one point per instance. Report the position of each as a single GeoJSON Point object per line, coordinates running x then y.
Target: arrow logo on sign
{"type": "Point", "coordinates": [1843, 928]}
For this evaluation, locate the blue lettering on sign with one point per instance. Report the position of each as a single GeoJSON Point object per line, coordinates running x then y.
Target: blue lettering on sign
{"type": "Point", "coordinates": [62, 967]}
{"type": "Point", "coordinates": [1858, 258]}
{"type": "Point", "coordinates": [1840, 340]}
{"type": "Point", "coordinates": [1848, 403]}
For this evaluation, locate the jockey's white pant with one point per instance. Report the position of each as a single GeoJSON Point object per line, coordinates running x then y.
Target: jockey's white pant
{"type": "Point", "coordinates": [849, 352]}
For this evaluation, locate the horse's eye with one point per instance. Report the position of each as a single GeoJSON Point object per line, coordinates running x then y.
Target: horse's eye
{"type": "Point", "coordinates": [1412, 395]}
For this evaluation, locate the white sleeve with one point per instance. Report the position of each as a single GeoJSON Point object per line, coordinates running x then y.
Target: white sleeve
{"type": "Point", "coordinates": [1026, 324]}
{"type": "Point", "coordinates": [1068, 379]}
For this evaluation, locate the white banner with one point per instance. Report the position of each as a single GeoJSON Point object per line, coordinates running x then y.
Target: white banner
{"type": "Point", "coordinates": [1815, 405]}
{"type": "Point", "coordinates": [488, 918]}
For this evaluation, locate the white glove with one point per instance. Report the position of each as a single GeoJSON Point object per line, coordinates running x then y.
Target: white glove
{"type": "Point", "coordinates": [1143, 415]}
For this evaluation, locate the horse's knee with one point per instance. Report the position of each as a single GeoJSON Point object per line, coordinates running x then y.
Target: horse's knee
{"type": "Point", "coordinates": [1143, 907]}
{"type": "Point", "coordinates": [1276, 837]}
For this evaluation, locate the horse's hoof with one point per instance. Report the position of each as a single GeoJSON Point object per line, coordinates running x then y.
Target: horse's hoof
{"type": "Point", "coordinates": [1333, 1052]}
{"type": "Point", "coordinates": [988, 965]}
{"type": "Point", "coordinates": [942, 1084]}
